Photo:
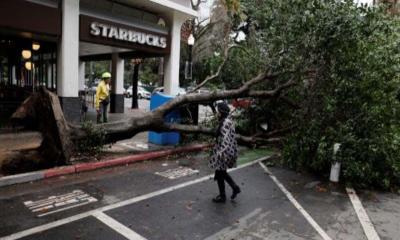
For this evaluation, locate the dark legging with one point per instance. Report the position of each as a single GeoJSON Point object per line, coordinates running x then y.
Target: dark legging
{"type": "Point", "coordinates": [221, 176]}
{"type": "Point", "coordinates": [102, 116]}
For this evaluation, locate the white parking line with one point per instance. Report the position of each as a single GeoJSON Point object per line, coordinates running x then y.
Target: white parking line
{"type": "Point", "coordinates": [242, 224]}
{"type": "Point", "coordinates": [117, 226]}
{"type": "Point", "coordinates": [362, 215]}
{"type": "Point", "coordinates": [63, 221]}
{"type": "Point", "coordinates": [66, 208]}
{"type": "Point", "coordinates": [313, 223]}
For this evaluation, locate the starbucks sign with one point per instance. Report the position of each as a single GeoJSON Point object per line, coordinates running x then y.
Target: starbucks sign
{"type": "Point", "coordinates": [127, 35]}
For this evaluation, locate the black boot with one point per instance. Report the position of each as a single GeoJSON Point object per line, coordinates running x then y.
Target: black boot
{"type": "Point", "coordinates": [221, 198]}
{"type": "Point", "coordinates": [235, 188]}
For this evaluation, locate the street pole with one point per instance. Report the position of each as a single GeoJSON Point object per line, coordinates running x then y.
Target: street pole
{"type": "Point", "coordinates": [135, 79]}
{"type": "Point", "coordinates": [190, 62]}
{"type": "Point", "coordinates": [188, 70]}
{"type": "Point", "coordinates": [193, 108]}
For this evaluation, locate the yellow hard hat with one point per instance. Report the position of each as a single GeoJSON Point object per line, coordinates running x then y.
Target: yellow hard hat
{"type": "Point", "coordinates": [106, 75]}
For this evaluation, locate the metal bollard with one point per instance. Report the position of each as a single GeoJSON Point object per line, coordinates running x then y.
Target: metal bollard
{"type": "Point", "coordinates": [335, 168]}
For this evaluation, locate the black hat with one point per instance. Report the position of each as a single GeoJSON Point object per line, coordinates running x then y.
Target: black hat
{"type": "Point", "coordinates": [223, 108]}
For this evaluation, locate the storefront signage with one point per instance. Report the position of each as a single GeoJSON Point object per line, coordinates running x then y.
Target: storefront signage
{"type": "Point", "coordinates": [124, 34]}
{"type": "Point", "coordinates": [140, 40]}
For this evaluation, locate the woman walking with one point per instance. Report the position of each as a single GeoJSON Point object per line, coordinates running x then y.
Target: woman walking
{"type": "Point", "coordinates": [224, 153]}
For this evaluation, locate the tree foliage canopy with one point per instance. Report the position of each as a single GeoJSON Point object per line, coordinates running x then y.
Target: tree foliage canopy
{"type": "Point", "coordinates": [350, 96]}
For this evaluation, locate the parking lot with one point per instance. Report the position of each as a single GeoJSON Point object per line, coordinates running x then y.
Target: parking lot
{"type": "Point", "coordinates": [140, 202]}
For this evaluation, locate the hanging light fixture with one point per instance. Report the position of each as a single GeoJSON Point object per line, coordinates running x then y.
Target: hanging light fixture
{"type": "Point", "coordinates": [161, 22]}
{"type": "Point", "coordinates": [35, 46]}
{"type": "Point", "coordinates": [28, 66]}
{"type": "Point", "coordinates": [190, 40]}
{"type": "Point", "coordinates": [26, 54]}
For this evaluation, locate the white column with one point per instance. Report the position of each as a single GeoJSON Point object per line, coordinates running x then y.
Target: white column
{"type": "Point", "coordinates": [68, 51]}
{"type": "Point", "coordinates": [171, 77]}
{"type": "Point", "coordinates": [49, 75]}
{"type": "Point", "coordinates": [117, 74]}
{"type": "Point", "coordinates": [14, 76]}
{"type": "Point", "coordinates": [81, 75]}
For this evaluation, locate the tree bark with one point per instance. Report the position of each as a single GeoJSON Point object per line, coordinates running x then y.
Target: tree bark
{"type": "Point", "coordinates": [42, 112]}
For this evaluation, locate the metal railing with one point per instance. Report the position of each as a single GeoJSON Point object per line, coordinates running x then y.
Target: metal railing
{"type": "Point", "coordinates": [87, 97]}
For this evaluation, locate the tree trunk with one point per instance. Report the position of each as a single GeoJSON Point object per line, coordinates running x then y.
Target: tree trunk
{"type": "Point", "coordinates": [42, 112]}
{"type": "Point", "coordinates": [135, 79]}
{"type": "Point", "coordinates": [161, 72]}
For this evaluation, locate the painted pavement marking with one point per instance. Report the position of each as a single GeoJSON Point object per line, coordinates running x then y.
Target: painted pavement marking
{"type": "Point", "coordinates": [313, 223]}
{"type": "Point", "coordinates": [242, 224]}
{"type": "Point", "coordinates": [63, 221]}
{"type": "Point", "coordinates": [117, 226]}
{"type": "Point", "coordinates": [54, 204]}
{"type": "Point", "coordinates": [362, 215]}
{"type": "Point", "coordinates": [177, 172]}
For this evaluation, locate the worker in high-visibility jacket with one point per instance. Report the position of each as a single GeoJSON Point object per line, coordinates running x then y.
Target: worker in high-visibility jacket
{"type": "Point", "coordinates": [103, 97]}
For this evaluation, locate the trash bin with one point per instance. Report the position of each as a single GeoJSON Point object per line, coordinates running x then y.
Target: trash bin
{"type": "Point", "coordinates": [164, 138]}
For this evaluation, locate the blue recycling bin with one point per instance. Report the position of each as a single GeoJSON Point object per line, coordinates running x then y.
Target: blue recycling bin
{"type": "Point", "coordinates": [164, 138]}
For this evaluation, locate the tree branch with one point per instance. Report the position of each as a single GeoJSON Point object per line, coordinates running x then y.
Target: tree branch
{"type": "Point", "coordinates": [257, 140]}
{"type": "Point", "coordinates": [186, 128]}
{"type": "Point", "coordinates": [247, 140]}
{"type": "Point", "coordinates": [207, 97]}
{"type": "Point", "coordinates": [211, 77]}
{"type": "Point", "coordinates": [278, 132]}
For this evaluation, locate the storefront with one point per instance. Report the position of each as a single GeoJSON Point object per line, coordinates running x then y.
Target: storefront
{"type": "Point", "coordinates": [46, 42]}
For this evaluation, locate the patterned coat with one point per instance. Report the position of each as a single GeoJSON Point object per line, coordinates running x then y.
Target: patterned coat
{"type": "Point", "coordinates": [224, 152]}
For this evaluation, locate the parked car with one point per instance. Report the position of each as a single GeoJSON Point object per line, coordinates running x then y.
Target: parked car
{"type": "Point", "coordinates": [141, 93]}
{"type": "Point", "coordinates": [201, 90]}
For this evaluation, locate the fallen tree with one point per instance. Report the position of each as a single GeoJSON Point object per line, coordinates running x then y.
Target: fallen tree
{"type": "Point", "coordinates": [59, 139]}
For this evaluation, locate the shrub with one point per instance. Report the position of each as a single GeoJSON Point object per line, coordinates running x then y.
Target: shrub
{"type": "Point", "coordinates": [92, 144]}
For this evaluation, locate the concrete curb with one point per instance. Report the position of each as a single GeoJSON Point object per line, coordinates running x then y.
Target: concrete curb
{"type": "Point", "coordinates": [83, 167]}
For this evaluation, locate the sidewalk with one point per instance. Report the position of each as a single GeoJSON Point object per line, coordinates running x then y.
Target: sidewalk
{"type": "Point", "coordinates": [94, 165]}
{"type": "Point", "coordinates": [120, 153]}
{"type": "Point", "coordinates": [139, 143]}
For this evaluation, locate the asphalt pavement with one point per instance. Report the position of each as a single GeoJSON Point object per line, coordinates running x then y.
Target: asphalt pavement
{"type": "Point", "coordinates": [171, 199]}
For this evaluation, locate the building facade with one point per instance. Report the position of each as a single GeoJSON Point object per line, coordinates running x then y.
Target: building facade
{"type": "Point", "coordinates": [46, 43]}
